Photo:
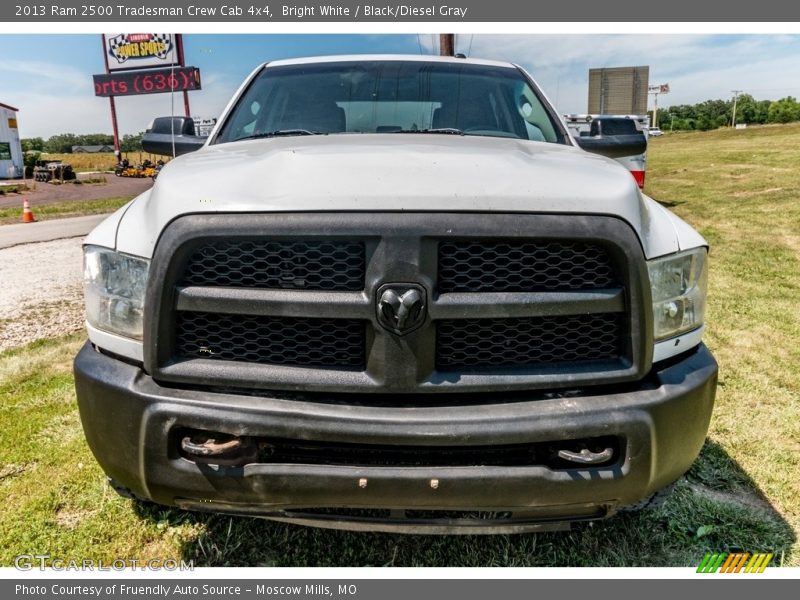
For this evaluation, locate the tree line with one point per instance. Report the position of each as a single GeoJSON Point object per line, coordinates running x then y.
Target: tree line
{"type": "Point", "coordinates": [712, 114]}
{"type": "Point", "coordinates": [703, 116]}
{"type": "Point", "coordinates": [63, 142]}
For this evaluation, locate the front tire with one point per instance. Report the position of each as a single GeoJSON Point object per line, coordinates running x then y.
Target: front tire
{"type": "Point", "coordinates": [652, 502]}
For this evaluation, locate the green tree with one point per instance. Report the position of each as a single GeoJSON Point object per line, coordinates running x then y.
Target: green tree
{"type": "Point", "coordinates": [762, 111]}
{"type": "Point", "coordinates": [703, 123]}
{"type": "Point", "coordinates": [96, 139]}
{"type": "Point", "coordinates": [784, 110]}
{"type": "Point", "coordinates": [32, 144]}
{"type": "Point", "coordinates": [710, 111]}
{"type": "Point", "coordinates": [132, 142]}
{"type": "Point", "coordinates": [746, 109]}
{"type": "Point", "coordinates": [61, 143]}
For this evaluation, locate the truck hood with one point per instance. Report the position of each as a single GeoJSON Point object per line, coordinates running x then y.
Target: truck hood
{"type": "Point", "coordinates": [391, 172]}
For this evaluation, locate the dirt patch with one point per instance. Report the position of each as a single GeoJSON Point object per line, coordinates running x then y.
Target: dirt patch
{"type": "Point", "coordinates": [46, 320]}
{"type": "Point", "coordinates": [12, 470]}
{"type": "Point", "coordinates": [70, 519]}
{"type": "Point", "coordinates": [793, 241]}
{"type": "Point", "coordinates": [41, 295]}
{"type": "Point", "coordinates": [47, 193]}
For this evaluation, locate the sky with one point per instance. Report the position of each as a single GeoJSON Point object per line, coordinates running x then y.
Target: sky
{"type": "Point", "coordinates": [49, 77]}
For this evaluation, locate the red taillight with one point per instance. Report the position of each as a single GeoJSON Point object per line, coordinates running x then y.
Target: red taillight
{"type": "Point", "coordinates": [639, 177]}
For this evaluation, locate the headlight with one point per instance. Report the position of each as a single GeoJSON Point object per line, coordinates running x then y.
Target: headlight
{"type": "Point", "coordinates": [114, 286]}
{"type": "Point", "coordinates": [679, 284]}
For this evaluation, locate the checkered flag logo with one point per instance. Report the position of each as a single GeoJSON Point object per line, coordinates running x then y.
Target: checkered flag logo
{"type": "Point", "coordinates": [114, 44]}
{"type": "Point", "coordinates": [164, 41]}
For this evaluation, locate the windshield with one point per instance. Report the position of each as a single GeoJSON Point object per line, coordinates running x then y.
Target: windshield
{"type": "Point", "coordinates": [390, 97]}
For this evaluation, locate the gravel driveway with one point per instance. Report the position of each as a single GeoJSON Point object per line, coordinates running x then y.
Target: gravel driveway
{"type": "Point", "coordinates": [41, 291]}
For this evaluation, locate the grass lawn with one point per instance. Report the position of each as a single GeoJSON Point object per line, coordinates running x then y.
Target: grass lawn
{"type": "Point", "coordinates": [69, 208]}
{"type": "Point", "coordinates": [739, 188]}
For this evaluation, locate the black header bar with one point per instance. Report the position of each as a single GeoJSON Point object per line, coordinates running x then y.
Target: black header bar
{"type": "Point", "coordinates": [402, 11]}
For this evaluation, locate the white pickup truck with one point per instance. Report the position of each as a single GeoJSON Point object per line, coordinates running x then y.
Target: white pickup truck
{"type": "Point", "coordinates": [393, 293]}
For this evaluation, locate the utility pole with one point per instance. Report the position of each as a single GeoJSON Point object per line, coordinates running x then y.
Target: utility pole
{"type": "Point", "coordinates": [735, 98]}
{"type": "Point", "coordinates": [655, 111]}
{"type": "Point", "coordinates": [114, 127]}
{"type": "Point", "coordinates": [447, 44]}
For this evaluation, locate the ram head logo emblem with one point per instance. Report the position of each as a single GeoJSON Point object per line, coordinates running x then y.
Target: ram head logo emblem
{"type": "Point", "coordinates": [401, 307]}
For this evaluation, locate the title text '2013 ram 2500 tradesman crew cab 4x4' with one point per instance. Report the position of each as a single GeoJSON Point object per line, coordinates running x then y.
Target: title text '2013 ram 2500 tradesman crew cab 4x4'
{"type": "Point", "coordinates": [393, 293]}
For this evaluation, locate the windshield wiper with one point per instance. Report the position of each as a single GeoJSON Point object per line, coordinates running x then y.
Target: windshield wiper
{"type": "Point", "coordinates": [445, 130]}
{"type": "Point", "coordinates": [278, 133]}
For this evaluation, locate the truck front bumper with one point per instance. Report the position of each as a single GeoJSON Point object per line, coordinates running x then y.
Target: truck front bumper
{"type": "Point", "coordinates": [131, 422]}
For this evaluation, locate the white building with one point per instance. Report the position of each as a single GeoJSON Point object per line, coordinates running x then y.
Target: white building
{"type": "Point", "coordinates": [11, 164]}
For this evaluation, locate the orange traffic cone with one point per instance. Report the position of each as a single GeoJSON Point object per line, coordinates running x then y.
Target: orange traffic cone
{"type": "Point", "coordinates": [27, 213]}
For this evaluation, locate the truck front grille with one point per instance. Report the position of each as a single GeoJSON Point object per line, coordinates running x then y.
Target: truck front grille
{"type": "Point", "coordinates": [487, 343]}
{"type": "Point", "coordinates": [290, 302]}
{"type": "Point", "coordinates": [270, 340]}
{"type": "Point", "coordinates": [523, 266]}
{"type": "Point", "coordinates": [278, 264]}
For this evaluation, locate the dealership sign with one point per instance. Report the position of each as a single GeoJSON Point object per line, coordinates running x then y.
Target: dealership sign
{"type": "Point", "coordinates": [140, 50]}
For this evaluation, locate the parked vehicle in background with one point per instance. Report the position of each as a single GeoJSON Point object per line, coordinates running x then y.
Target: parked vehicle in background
{"type": "Point", "coordinates": [581, 125]}
{"type": "Point", "coordinates": [655, 132]}
{"type": "Point", "coordinates": [144, 169]}
{"type": "Point", "coordinates": [394, 293]}
{"type": "Point", "coordinates": [53, 171]}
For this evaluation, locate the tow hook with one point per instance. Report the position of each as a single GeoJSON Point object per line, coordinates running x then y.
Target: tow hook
{"type": "Point", "coordinates": [219, 449]}
{"type": "Point", "coordinates": [586, 456]}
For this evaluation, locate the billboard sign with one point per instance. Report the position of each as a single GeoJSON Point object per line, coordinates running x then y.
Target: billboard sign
{"type": "Point", "coordinates": [156, 81]}
{"type": "Point", "coordinates": [618, 90]}
{"type": "Point", "coordinates": [140, 50]}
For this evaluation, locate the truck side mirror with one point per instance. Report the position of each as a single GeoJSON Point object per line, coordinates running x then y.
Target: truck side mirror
{"type": "Point", "coordinates": [613, 137]}
{"type": "Point", "coordinates": [168, 133]}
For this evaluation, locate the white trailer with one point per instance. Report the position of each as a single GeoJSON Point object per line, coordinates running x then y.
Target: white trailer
{"type": "Point", "coordinates": [11, 163]}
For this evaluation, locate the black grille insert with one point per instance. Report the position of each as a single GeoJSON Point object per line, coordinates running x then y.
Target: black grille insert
{"type": "Point", "coordinates": [505, 343]}
{"type": "Point", "coordinates": [305, 342]}
{"type": "Point", "coordinates": [312, 452]}
{"type": "Point", "coordinates": [267, 450]}
{"type": "Point", "coordinates": [278, 264]}
{"type": "Point", "coordinates": [523, 266]}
